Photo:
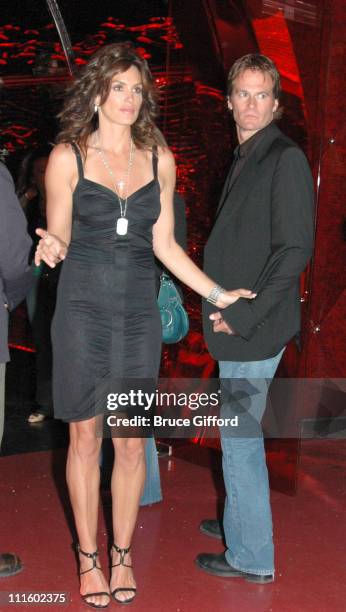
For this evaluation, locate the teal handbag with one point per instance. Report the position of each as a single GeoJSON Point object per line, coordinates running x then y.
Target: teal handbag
{"type": "Point", "coordinates": [174, 318]}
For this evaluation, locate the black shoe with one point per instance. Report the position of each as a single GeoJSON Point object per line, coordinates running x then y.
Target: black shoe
{"type": "Point", "coordinates": [9, 565]}
{"type": "Point", "coordinates": [93, 556]}
{"type": "Point", "coordinates": [218, 566]}
{"type": "Point", "coordinates": [212, 528]}
{"type": "Point", "coordinates": [122, 552]}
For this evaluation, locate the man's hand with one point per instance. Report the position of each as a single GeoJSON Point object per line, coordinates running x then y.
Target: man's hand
{"type": "Point", "coordinates": [220, 325]}
{"type": "Point", "coordinates": [50, 249]}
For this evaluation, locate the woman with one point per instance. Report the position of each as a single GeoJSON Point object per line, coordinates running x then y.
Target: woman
{"type": "Point", "coordinates": [32, 196]}
{"type": "Point", "coordinates": [40, 301]}
{"type": "Point", "coordinates": [110, 184]}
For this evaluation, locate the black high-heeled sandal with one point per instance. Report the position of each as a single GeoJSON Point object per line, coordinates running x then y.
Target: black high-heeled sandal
{"type": "Point", "coordinates": [122, 552]}
{"type": "Point", "coordinates": [92, 556]}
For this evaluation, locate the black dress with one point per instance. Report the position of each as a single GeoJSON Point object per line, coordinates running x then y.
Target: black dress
{"type": "Point", "coordinates": [107, 322]}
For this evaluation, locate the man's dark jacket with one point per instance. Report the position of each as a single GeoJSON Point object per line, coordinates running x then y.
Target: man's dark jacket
{"type": "Point", "coordinates": [15, 243]}
{"type": "Point", "coordinates": [262, 240]}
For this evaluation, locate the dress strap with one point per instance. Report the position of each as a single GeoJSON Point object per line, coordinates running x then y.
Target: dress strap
{"type": "Point", "coordinates": [79, 160]}
{"type": "Point", "coordinates": [155, 161]}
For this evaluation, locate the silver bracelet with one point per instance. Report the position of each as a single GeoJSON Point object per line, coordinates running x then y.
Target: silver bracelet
{"type": "Point", "coordinates": [215, 294]}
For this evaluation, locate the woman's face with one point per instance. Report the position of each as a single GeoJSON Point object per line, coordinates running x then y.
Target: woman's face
{"type": "Point", "coordinates": [125, 98]}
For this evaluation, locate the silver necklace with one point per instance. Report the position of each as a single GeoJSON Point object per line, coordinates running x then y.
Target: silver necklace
{"type": "Point", "coordinates": [122, 222]}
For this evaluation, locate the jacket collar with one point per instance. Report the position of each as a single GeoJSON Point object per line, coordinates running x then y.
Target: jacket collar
{"type": "Point", "coordinates": [246, 148]}
{"type": "Point", "coordinates": [271, 132]}
{"type": "Point", "coordinates": [250, 171]}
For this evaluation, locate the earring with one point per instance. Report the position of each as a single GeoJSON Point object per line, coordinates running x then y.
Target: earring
{"type": "Point", "coordinates": [96, 108]}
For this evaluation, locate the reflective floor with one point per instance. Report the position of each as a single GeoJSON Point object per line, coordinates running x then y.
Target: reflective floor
{"type": "Point", "coordinates": [35, 522]}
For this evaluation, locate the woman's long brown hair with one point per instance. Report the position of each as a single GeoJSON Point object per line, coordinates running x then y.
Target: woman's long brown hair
{"type": "Point", "coordinates": [78, 118]}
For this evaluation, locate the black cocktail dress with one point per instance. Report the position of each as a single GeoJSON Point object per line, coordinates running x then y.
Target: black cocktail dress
{"type": "Point", "coordinates": [107, 322]}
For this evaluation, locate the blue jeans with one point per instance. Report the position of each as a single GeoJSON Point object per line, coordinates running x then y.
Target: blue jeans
{"type": "Point", "coordinates": [152, 487]}
{"type": "Point", "coordinates": [247, 519]}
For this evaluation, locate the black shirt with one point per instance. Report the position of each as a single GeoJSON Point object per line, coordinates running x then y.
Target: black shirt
{"type": "Point", "coordinates": [241, 154]}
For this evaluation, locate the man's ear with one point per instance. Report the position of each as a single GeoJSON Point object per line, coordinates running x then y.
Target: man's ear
{"type": "Point", "coordinates": [276, 105]}
{"type": "Point", "coordinates": [229, 104]}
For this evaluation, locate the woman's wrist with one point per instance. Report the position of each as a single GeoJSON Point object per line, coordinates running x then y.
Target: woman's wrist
{"type": "Point", "coordinates": [215, 295]}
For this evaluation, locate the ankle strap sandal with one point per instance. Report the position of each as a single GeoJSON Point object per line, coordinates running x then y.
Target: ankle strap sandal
{"type": "Point", "coordinates": [122, 552]}
{"type": "Point", "coordinates": [93, 556]}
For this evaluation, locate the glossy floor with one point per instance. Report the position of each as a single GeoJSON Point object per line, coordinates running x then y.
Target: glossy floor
{"type": "Point", "coordinates": [310, 530]}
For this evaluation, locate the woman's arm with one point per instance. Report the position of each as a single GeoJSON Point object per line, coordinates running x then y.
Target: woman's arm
{"type": "Point", "coordinates": [169, 252]}
{"type": "Point", "coordinates": [60, 180]}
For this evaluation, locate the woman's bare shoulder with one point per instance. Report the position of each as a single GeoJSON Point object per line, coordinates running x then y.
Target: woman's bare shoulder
{"type": "Point", "coordinates": [166, 159]}
{"type": "Point", "coordinates": [62, 164]}
{"type": "Point", "coordinates": [62, 153]}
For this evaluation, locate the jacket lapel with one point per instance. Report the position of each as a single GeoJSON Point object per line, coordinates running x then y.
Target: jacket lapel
{"type": "Point", "coordinates": [247, 178]}
{"type": "Point", "coordinates": [241, 188]}
{"type": "Point", "coordinates": [224, 191]}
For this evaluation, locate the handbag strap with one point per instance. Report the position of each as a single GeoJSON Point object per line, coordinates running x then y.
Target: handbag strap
{"type": "Point", "coordinates": [167, 285]}
{"type": "Point", "coordinates": [164, 276]}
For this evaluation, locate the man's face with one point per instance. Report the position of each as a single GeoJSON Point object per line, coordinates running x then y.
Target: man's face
{"type": "Point", "coordinates": [252, 102]}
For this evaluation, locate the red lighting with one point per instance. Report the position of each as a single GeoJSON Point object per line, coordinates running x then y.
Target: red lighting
{"type": "Point", "coordinates": [20, 347]}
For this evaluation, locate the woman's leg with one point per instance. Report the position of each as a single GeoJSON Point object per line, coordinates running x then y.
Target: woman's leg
{"type": "Point", "coordinates": [83, 479]}
{"type": "Point", "coordinates": [127, 486]}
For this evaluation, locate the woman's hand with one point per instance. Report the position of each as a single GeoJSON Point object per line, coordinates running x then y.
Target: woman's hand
{"type": "Point", "coordinates": [50, 249]}
{"type": "Point", "coordinates": [230, 297]}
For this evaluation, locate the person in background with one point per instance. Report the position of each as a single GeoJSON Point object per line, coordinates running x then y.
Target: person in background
{"type": "Point", "coordinates": [42, 297]}
{"type": "Point", "coordinates": [152, 487]}
{"type": "Point", "coordinates": [15, 281]}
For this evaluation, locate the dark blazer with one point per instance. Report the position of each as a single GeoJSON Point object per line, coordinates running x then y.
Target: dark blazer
{"type": "Point", "coordinates": [262, 240]}
{"type": "Point", "coordinates": [15, 243]}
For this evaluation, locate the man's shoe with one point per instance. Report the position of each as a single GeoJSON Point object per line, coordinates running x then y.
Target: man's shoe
{"type": "Point", "coordinates": [218, 566]}
{"type": "Point", "coordinates": [212, 528]}
{"type": "Point", "coordinates": [9, 565]}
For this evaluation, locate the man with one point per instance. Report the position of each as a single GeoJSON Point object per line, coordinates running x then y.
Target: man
{"type": "Point", "coordinates": [262, 240]}
{"type": "Point", "coordinates": [15, 281]}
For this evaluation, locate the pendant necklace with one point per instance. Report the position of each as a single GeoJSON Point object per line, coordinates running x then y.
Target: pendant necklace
{"type": "Point", "coordinates": [122, 222]}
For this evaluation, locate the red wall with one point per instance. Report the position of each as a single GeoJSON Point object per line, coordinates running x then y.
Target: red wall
{"type": "Point", "coordinates": [325, 350]}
